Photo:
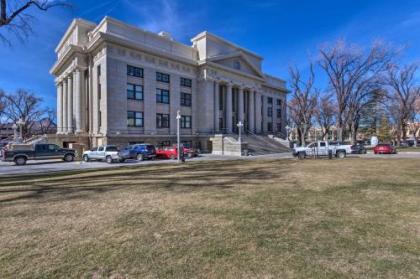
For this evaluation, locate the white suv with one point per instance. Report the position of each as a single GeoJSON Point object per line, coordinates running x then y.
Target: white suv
{"type": "Point", "coordinates": [108, 153]}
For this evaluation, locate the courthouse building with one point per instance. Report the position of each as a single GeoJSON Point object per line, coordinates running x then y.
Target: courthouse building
{"type": "Point", "coordinates": [118, 84]}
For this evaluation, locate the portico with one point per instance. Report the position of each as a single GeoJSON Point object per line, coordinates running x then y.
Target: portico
{"type": "Point", "coordinates": [70, 94]}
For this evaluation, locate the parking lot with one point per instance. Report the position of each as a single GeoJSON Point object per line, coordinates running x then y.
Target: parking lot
{"type": "Point", "coordinates": [51, 166]}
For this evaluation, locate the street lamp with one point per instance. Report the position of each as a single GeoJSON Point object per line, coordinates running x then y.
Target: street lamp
{"type": "Point", "coordinates": [287, 132]}
{"type": "Point", "coordinates": [178, 117]}
{"type": "Point", "coordinates": [240, 125]}
{"type": "Point", "coordinates": [20, 123]}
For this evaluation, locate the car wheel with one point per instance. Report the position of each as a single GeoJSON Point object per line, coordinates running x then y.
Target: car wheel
{"type": "Point", "coordinates": [20, 161]}
{"type": "Point", "coordinates": [140, 157]}
{"type": "Point", "coordinates": [68, 158]}
{"type": "Point", "coordinates": [108, 159]}
{"type": "Point", "coordinates": [86, 158]}
{"type": "Point", "coordinates": [172, 157]}
{"type": "Point", "coordinates": [301, 155]}
{"type": "Point", "coordinates": [341, 155]}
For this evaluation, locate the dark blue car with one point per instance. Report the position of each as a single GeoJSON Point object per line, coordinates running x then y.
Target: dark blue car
{"type": "Point", "coordinates": [139, 152]}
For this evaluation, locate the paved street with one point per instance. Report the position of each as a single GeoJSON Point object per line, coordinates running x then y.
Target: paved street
{"type": "Point", "coordinates": [51, 166]}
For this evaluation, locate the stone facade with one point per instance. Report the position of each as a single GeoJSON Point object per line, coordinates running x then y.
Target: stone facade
{"type": "Point", "coordinates": [108, 76]}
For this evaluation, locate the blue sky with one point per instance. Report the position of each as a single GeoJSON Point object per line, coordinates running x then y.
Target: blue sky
{"type": "Point", "coordinates": [283, 32]}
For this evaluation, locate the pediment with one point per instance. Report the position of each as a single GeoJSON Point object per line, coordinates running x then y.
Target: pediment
{"type": "Point", "coordinates": [237, 61]}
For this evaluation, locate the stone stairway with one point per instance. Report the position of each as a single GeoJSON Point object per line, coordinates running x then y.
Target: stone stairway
{"type": "Point", "coordinates": [260, 145]}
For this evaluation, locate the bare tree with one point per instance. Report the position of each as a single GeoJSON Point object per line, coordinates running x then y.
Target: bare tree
{"type": "Point", "coordinates": [325, 113]}
{"type": "Point", "coordinates": [47, 124]}
{"type": "Point", "coordinates": [353, 76]}
{"type": "Point", "coordinates": [15, 18]}
{"type": "Point", "coordinates": [25, 106]}
{"type": "Point", "coordinates": [403, 92]}
{"type": "Point", "coordinates": [303, 102]}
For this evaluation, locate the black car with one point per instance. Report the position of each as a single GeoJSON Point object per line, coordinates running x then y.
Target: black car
{"type": "Point", "coordinates": [38, 152]}
{"type": "Point", "coordinates": [358, 149]}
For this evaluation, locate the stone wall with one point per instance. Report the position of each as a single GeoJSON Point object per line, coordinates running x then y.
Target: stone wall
{"type": "Point", "coordinates": [229, 146]}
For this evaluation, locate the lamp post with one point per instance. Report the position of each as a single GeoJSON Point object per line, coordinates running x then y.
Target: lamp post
{"type": "Point", "coordinates": [178, 117]}
{"type": "Point", "coordinates": [20, 124]}
{"type": "Point", "coordinates": [15, 133]}
{"type": "Point", "coordinates": [287, 132]}
{"type": "Point", "coordinates": [240, 125]}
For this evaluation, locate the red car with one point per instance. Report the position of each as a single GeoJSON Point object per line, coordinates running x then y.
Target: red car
{"type": "Point", "coordinates": [169, 152]}
{"type": "Point", "coordinates": [384, 149]}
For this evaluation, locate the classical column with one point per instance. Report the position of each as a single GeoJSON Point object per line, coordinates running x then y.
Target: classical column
{"type": "Point", "coordinates": [241, 105]}
{"type": "Point", "coordinates": [258, 116]}
{"type": "Point", "coordinates": [70, 104]}
{"type": "Point", "coordinates": [77, 88]}
{"type": "Point", "coordinates": [65, 106]}
{"type": "Point", "coordinates": [229, 108]}
{"type": "Point", "coordinates": [251, 111]}
{"type": "Point", "coordinates": [216, 107]}
{"type": "Point", "coordinates": [59, 108]}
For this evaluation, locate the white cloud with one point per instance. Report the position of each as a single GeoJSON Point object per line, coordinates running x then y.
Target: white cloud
{"type": "Point", "coordinates": [165, 15]}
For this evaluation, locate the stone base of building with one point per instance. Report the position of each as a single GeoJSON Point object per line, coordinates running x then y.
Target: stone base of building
{"type": "Point", "coordinates": [201, 142]}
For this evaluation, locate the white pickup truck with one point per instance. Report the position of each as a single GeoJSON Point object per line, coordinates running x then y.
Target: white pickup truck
{"type": "Point", "coordinates": [108, 153]}
{"type": "Point", "coordinates": [322, 148]}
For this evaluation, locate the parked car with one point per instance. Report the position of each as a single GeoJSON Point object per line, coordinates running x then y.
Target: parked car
{"type": "Point", "coordinates": [358, 149]}
{"type": "Point", "coordinates": [321, 148]}
{"type": "Point", "coordinates": [384, 149]}
{"type": "Point", "coordinates": [22, 154]}
{"type": "Point", "coordinates": [138, 152]}
{"type": "Point", "coordinates": [169, 152]}
{"type": "Point", "coordinates": [190, 152]}
{"type": "Point", "coordinates": [108, 153]}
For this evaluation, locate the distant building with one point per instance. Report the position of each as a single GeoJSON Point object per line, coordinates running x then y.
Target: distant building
{"type": "Point", "coordinates": [118, 84]}
{"type": "Point", "coordinates": [6, 131]}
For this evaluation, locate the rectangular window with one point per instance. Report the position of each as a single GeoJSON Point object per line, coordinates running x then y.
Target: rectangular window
{"type": "Point", "coordinates": [134, 71]}
{"type": "Point", "coordinates": [98, 69]}
{"type": "Point", "coordinates": [162, 120]}
{"type": "Point", "coordinates": [269, 111]}
{"type": "Point", "coordinates": [134, 92]}
{"type": "Point", "coordinates": [100, 119]}
{"type": "Point", "coordinates": [164, 143]}
{"type": "Point", "coordinates": [187, 143]}
{"type": "Point", "coordinates": [270, 100]}
{"type": "Point", "coordinates": [135, 119]}
{"type": "Point", "coordinates": [269, 126]}
{"type": "Point", "coordinates": [279, 102]}
{"type": "Point", "coordinates": [162, 96]}
{"type": "Point", "coordinates": [185, 121]}
{"type": "Point", "coordinates": [185, 99]}
{"type": "Point", "coordinates": [162, 77]}
{"type": "Point", "coordinates": [186, 82]}
{"type": "Point", "coordinates": [279, 113]}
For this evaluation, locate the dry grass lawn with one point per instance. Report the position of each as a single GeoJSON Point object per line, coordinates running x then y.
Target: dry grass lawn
{"type": "Point", "coordinates": [353, 218]}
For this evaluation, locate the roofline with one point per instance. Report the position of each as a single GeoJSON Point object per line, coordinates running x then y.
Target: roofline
{"type": "Point", "coordinates": [136, 28]}
{"type": "Point", "coordinates": [211, 35]}
{"type": "Point", "coordinates": [73, 24]}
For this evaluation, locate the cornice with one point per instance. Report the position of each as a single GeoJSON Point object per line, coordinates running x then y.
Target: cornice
{"type": "Point", "coordinates": [107, 37]}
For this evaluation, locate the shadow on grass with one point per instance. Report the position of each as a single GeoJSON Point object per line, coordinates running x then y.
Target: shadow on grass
{"type": "Point", "coordinates": [220, 175]}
